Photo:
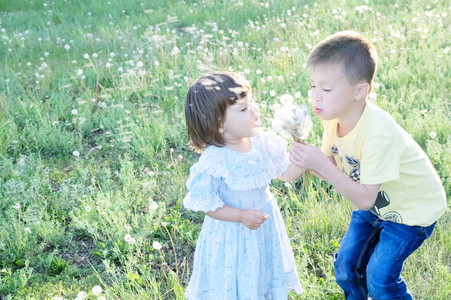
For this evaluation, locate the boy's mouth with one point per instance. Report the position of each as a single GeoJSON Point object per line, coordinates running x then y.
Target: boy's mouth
{"type": "Point", "coordinates": [317, 110]}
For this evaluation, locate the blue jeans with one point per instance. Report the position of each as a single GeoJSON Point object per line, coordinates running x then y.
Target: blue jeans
{"type": "Point", "coordinates": [371, 256]}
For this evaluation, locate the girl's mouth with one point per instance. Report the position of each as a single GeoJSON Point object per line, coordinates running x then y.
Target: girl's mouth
{"type": "Point", "coordinates": [317, 110]}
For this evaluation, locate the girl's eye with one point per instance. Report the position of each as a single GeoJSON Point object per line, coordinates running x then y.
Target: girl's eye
{"type": "Point", "coordinates": [244, 109]}
{"type": "Point", "coordinates": [312, 87]}
{"type": "Point", "coordinates": [326, 90]}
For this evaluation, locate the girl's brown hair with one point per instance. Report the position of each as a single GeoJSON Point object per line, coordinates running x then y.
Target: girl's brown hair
{"type": "Point", "coordinates": [206, 103]}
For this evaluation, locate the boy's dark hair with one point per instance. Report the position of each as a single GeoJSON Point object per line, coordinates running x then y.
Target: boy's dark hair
{"type": "Point", "coordinates": [206, 103]}
{"type": "Point", "coordinates": [352, 50]}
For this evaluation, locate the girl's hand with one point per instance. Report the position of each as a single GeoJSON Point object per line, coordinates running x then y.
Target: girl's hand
{"type": "Point", "coordinates": [253, 218]}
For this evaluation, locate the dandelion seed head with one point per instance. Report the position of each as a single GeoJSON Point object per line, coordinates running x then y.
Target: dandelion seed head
{"type": "Point", "coordinates": [96, 290]}
{"type": "Point", "coordinates": [156, 245]}
{"type": "Point", "coordinates": [293, 121]}
{"type": "Point", "coordinates": [76, 153]}
{"type": "Point", "coordinates": [153, 206]}
{"type": "Point", "coordinates": [286, 99]}
{"type": "Point", "coordinates": [82, 296]}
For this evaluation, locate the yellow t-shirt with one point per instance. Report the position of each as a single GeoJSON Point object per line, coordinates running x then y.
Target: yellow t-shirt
{"type": "Point", "coordinates": [379, 151]}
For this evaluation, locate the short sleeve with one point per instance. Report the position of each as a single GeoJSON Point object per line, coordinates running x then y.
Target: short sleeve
{"type": "Point", "coordinates": [329, 129]}
{"type": "Point", "coordinates": [278, 158]}
{"type": "Point", "coordinates": [203, 193]}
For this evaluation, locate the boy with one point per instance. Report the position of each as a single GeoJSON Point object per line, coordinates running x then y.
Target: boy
{"type": "Point", "coordinates": [373, 163]}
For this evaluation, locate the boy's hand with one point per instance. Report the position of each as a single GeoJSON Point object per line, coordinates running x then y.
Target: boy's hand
{"type": "Point", "coordinates": [253, 218]}
{"type": "Point", "coordinates": [307, 156]}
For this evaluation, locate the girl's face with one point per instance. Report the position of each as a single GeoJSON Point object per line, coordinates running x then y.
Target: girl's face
{"type": "Point", "coordinates": [242, 120]}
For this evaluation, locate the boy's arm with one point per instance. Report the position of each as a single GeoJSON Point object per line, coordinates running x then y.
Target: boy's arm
{"type": "Point", "coordinates": [251, 218]}
{"type": "Point", "coordinates": [311, 158]}
{"type": "Point", "coordinates": [332, 160]}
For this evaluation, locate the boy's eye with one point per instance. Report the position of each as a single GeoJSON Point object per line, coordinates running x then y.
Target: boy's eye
{"type": "Point", "coordinates": [326, 90]}
{"type": "Point", "coordinates": [312, 87]}
{"type": "Point", "coordinates": [244, 109]}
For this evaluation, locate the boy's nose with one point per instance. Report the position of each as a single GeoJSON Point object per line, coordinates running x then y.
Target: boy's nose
{"type": "Point", "coordinates": [316, 95]}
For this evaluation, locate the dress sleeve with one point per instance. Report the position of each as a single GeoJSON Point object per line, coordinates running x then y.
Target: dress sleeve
{"type": "Point", "coordinates": [203, 193]}
{"type": "Point", "coordinates": [278, 158]}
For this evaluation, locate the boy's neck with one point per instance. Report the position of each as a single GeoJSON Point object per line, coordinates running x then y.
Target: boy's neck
{"type": "Point", "coordinates": [345, 125]}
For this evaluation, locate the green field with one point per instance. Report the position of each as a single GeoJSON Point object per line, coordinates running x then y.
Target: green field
{"type": "Point", "coordinates": [93, 145]}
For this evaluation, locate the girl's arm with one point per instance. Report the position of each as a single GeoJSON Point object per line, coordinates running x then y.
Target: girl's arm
{"type": "Point", "coordinates": [251, 218]}
{"type": "Point", "coordinates": [293, 172]}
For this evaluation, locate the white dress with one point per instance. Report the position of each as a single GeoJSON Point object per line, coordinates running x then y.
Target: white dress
{"type": "Point", "coordinates": [232, 261]}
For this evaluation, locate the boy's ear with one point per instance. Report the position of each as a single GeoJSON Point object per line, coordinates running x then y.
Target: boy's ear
{"type": "Point", "coordinates": [362, 90]}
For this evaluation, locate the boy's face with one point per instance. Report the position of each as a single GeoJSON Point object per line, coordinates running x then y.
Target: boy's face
{"type": "Point", "coordinates": [331, 93]}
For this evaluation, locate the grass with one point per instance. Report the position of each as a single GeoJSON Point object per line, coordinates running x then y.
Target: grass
{"type": "Point", "coordinates": [93, 144]}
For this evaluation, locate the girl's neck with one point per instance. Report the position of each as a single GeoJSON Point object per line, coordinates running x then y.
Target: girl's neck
{"type": "Point", "coordinates": [242, 145]}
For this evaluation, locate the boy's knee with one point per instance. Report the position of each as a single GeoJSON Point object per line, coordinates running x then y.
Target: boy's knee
{"type": "Point", "coordinates": [343, 268]}
{"type": "Point", "coordinates": [378, 288]}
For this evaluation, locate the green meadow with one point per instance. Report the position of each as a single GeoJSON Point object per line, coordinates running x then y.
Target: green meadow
{"type": "Point", "coordinates": [93, 145]}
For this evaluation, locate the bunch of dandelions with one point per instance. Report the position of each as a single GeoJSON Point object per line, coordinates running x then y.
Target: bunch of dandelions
{"type": "Point", "coordinates": [292, 120]}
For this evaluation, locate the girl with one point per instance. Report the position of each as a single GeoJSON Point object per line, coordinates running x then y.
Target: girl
{"type": "Point", "coordinates": [243, 251]}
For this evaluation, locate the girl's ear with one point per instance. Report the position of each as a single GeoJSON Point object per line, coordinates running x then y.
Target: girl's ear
{"type": "Point", "coordinates": [362, 90]}
{"type": "Point", "coordinates": [221, 129]}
